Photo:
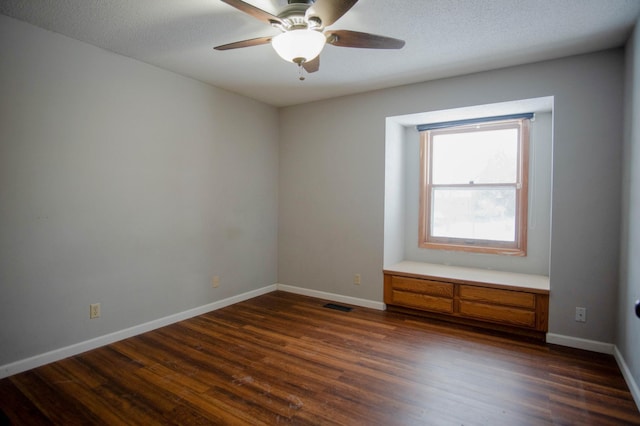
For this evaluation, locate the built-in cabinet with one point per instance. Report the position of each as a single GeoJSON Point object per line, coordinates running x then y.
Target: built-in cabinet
{"type": "Point", "coordinates": [517, 303]}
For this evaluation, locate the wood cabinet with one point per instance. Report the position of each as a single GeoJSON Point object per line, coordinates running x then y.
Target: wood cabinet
{"type": "Point", "coordinates": [515, 303]}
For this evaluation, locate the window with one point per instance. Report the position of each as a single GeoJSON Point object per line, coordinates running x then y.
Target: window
{"type": "Point", "coordinates": [473, 186]}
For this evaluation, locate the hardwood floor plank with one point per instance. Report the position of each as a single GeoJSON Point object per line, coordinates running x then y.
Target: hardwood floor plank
{"type": "Point", "coordinates": [283, 358]}
{"type": "Point", "coordinates": [55, 404]}
{"type": "Point", "coordinates": [139, 401]}
{"type": "Point", "coordinates": [17, 405]}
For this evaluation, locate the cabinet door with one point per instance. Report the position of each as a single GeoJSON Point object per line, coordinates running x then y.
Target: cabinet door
{"type": "Point", "coordinates": [498, 314]}
{"type": "Point", "coordinates": [422, 301]}
{"type": "Point", "coordinates": [432, 288]}
{"type": "Point", "coordinates": [498, 297]}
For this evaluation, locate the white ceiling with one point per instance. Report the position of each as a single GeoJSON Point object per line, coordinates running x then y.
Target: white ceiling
{"type": "Point", "coordinates": [443, 38]}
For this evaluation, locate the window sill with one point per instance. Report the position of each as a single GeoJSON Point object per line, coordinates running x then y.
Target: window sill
{"type": "Point", "coordinates": [464, 275]}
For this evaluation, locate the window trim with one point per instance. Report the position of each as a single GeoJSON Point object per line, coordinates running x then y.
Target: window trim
{"type": "Point", "coordinates": [426, 240]}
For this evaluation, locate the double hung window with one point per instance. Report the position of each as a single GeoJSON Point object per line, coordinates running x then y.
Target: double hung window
{"type": "Point", "coordinates": [473, 186]}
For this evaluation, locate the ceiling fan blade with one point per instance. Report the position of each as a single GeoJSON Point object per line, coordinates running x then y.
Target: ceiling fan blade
{"type": "Point", "coordinates": [329, 11]}
{"type": "Point", "coordinates": [346, 38]}
{"type": "Point", "coordinates": [312, 66]}
{"type": "Point", "coordinates": [253, 11]}
{"type": "Point", "coordinates": [245, 43]}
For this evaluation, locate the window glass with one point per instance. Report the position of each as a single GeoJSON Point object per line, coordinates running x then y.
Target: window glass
{"type": "Point", "coordinates": [474, 214]}
{"type": "Point", "coordinates": [479, 157]}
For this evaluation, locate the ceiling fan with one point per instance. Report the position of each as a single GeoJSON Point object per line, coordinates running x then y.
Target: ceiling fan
{"type": "Point", "coordinates": [303, 24]}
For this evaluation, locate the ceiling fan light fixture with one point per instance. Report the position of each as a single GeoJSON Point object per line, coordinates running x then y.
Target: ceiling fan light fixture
{"type": "Point", "coordinates": [299, 46]}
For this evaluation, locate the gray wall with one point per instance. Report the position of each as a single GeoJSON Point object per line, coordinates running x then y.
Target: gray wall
{"type": "Point", "coordinates": [332, 182]}
{"type": "Point", "coordinates": [628, 339]}
{"type": "Point", "coordinates": [123, 184]}
{"type": "Point", "coordinates": [395, 194]}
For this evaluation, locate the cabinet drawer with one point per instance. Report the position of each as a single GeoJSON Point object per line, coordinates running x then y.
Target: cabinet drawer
{"type": "Point", "coordinates": [499, 314]}
{"type": "Point", "coordinates": [496, 296]}
{"type": "Point", "coordinates": [423, 301]}
{"type": "Point", "coordinates": [432, 288]}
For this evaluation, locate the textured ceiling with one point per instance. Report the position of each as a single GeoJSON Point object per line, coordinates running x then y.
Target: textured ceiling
{"type": "Point", "coordinates": [443, 38]}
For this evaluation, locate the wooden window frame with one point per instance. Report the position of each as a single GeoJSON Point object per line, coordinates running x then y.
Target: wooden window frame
{"type": "Point", "coordinates": [516, 248]}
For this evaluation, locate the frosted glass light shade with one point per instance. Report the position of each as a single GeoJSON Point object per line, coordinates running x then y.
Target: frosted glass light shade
{"type": "Point", "coordinates": [299, 45]}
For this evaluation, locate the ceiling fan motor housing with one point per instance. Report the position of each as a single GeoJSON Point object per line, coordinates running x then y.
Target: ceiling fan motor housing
{"type": "Point", "coordinates": [292, 17]}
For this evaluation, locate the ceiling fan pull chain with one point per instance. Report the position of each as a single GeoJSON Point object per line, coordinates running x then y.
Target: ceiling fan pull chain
{"type": "Point", "coordinates": [301, 72]}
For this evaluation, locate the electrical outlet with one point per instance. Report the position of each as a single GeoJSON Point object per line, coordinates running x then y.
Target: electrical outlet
{"type": "Point", "coordinates": [215, 281]}
{"type": "Point", "coordinates": [357, 279]}
{"type": "Point", "coordinates": [94, 310]}
{"type": "Point", "coordinates": [581, 314]}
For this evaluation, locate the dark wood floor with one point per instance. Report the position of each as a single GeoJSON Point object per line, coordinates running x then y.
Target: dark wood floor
{"type": "Point", "coordinates": [283, 358]}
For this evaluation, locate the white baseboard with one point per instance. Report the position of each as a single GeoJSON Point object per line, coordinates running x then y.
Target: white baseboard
{"type": "Point", "coordinates": [365, 303]}
{"type": "Point", "coordinates": [58, 354]}
{"type": "Point", "coordinates": [578, 343]}
{"type": "Point", "coordinates": [628, 377]}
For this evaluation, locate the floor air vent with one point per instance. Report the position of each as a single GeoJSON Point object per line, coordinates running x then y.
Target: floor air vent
{"type": "Point", "coordinates": [338, 307]}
